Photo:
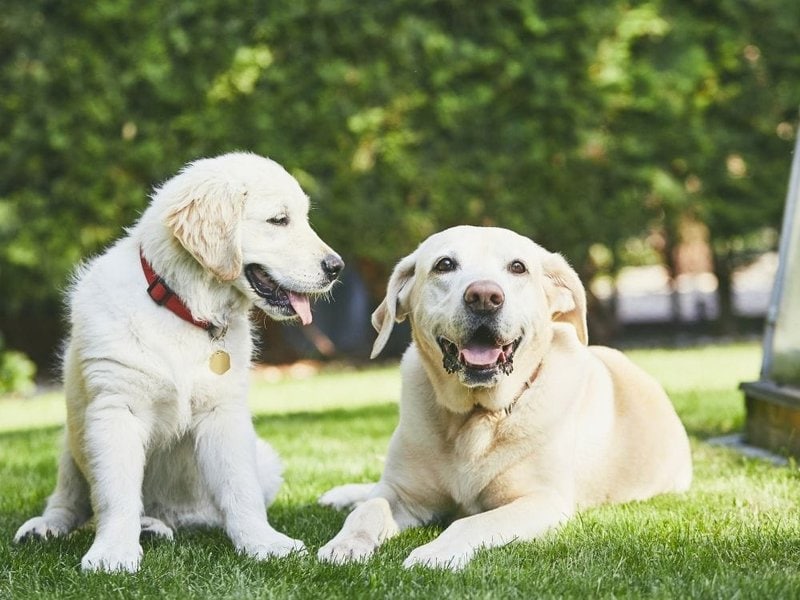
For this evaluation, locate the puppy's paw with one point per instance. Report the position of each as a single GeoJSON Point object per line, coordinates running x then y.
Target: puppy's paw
{"type": "Point", "coordinates": [156, 528]}
{"type": "Point", "coordinates": [276, 546]}
{"type": "Point", "coordinates": [346, 496]}
{"type": "Point", "coordinates": [438, 558]}
{"type": "Point", "coordinates": [351, 549]}
{"type": "Point", "coordinates": [107, 558]}
{"type": "Point", "coordinates": [40, 527]}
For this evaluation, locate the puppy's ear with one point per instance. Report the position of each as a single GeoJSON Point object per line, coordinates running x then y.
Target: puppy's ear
{"type": "Point", "coordinates": [205, 218]}
{"type": "Point", "coordinates": [565, 294]}
{"type": "Point", "coordinates": [394, 307]}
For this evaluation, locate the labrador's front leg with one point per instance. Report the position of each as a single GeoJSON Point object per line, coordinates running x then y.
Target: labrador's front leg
{"type": "Point", "coordinates": [524, 519]}
{"type": "Point", "coordinates": [371, 523]}
{"type": "Point", "coordinates": [225, 445]}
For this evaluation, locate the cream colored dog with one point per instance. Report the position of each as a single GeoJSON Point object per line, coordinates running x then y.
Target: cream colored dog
{"type": "Point", "coordinates": [507, 419]}
{"type": "Point", "coordinates": [156, 368]}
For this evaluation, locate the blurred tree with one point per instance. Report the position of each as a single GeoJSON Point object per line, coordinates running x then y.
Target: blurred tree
{"type": "Point", "coordinates": [443, 113]}
{"type": "Point", "coordinates": [704, 110]}
{"type": "Point", "coordinates": [574, 123]}
{"type": "Point", "coordinates": [743, 167]}
{"type": "Point", "coordinates": [97, 106]}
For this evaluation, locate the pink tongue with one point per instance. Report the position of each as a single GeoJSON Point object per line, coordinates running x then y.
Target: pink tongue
{"type": "Point", "coordinates": [481, 356]}
{"type": "Point", "coordinates": [301, 306]}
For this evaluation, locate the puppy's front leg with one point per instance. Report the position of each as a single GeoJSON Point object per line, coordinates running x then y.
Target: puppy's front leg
{"type": "Point", "coordinates": [225, 446]}
{"type": "Point", "coordinates": [370, 524]}
{"type": "Point", "coordinates": [523, 519]}
{"type": "Point", "coordinates": [115, 441]}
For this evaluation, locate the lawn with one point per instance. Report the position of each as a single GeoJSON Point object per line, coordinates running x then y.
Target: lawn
{"type": "Point", "coordinates": [736, 534]}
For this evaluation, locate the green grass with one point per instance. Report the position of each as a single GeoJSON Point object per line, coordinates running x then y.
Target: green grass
{"type": "Point", "coordinates": [736, 534]}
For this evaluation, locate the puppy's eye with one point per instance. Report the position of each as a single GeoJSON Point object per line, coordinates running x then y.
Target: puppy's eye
{"type": "Point", "coordinates": [281, 221]}
{"type": "Point", "coordinates": [517, 267]}
{"type": "Point", "coordinates": [445, 265]}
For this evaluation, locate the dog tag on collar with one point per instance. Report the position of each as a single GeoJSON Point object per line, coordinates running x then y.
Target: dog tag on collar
{"type": "Point", "coordinates": [220, 362]}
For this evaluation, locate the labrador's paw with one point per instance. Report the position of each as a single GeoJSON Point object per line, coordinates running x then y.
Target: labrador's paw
{"type": "Point", "coordinates": [276, 546]}
{"type": "Point", "coordinates": [350, 549]}
{"type": "Point", "coordinates": [435, 556]}
{"type": "Point", "coordinates": [346, 496]}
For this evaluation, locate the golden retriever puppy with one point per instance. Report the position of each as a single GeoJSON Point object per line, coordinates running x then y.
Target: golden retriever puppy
{"type": "Point", "coordinates": [508, 420]}
{"type": "Point", "coordinates": [158, 433]}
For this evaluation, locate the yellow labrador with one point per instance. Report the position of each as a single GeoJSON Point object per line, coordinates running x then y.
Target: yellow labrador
{"type": "Point", "coordinates": [159, 434]}
{"type": "Point", "coordinates": [508, 420]}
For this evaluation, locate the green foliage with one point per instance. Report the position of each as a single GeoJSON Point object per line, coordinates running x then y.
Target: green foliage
{"type": "Point", "coordinates": [573, 122]}
{"type": "Point", "coordinates": [16, 372]}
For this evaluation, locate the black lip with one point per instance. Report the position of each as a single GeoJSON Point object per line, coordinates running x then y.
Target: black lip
{"type": "Point", "coordinates": [267, 288]}
{"type": "Point", "coordinates": [453, 362]}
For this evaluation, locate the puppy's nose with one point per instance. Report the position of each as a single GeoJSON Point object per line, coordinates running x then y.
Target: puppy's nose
{"type": "Point", "coordinates": [484, 297]}
{"type": "Point", "coordinates": [332, 265]}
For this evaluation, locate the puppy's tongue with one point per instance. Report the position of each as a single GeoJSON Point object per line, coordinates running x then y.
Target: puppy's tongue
{"type": "Point", "coordinates": [481, 356]}
{"type": "Point", "coordinates": [301, 306]}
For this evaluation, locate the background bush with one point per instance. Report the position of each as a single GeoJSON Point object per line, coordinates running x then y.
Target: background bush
{"type": "Point", "coordinates": [576, 123]}
{"type": "Point", "coordinates": [16, 372]}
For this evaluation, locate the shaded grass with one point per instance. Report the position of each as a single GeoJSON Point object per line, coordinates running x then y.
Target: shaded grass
{"type": "Point", "coordinates": [734, 535]}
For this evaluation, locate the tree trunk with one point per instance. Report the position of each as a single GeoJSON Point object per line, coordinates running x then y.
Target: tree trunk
{"type": "Point", "coordinates": [602, 320]}
{"type": "Point", "coordinates": [723, 270]}
{"type": "Point", "coordinates": [669, 255]}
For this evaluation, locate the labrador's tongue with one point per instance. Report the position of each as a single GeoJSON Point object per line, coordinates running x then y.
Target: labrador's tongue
{"type": "Point", "coordinates": [301, 306]}
{"type": "Point", "coordinates": [481, 356]}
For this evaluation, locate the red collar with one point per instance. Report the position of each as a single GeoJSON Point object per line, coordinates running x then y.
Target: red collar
{"type": "Point", "coordinates": [162, 295]}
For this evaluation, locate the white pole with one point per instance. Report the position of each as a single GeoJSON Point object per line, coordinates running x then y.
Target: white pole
{"type": "Point", "coordinates": [783, 259]}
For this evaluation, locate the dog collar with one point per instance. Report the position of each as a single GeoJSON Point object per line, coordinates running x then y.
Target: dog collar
{"type": "Point", "coordinates": [162, 295]}
{"type": "Point", "coordinates": [506, 410]}
{"type": "Point", "coordinates": [524, 389]}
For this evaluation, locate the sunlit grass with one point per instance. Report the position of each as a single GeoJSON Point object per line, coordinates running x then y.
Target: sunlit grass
{"type": "Point", "coordinates": [702, 383]}
{"type": "Point", "coordinates": [734, 535]}
{"type": "Point", "coordinates": [31, 413]}
{"type": "Point", "coordinates": [294, 389]}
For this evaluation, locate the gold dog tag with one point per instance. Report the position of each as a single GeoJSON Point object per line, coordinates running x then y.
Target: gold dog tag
{"type": "Point", "coordinates": [220, 362]}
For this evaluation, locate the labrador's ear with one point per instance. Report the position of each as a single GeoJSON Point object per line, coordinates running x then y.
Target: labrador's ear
{"type": "Point", "coordinates": [565, 294]}
{"type": "Point", "coordinates": [394, 307]}
{"type": "Point", "coordinates": [205, 217]}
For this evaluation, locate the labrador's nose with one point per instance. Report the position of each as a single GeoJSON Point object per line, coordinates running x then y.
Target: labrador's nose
{"type": "Point", "coordinates": [332, 265]}
{"type": "Point", "coordinates": [484, 297]}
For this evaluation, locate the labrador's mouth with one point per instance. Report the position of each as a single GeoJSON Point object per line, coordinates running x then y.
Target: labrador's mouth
{"type": "Point", "coordinates": [285, 302]}
{"type": "Point", "coordinates": [484, 354]}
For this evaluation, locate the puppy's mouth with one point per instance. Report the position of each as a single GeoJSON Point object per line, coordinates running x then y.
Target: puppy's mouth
{"type": "Point", "coordinates": [283, 301]}
{"type": "Point", "coordinates": [483, 354]}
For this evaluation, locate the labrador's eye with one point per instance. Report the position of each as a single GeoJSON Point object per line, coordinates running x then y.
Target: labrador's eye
{"type": "Point", "coordinates": [517, 267]}
{"type": "Point", "coordinates": [445, 265]}
{"type": "Point", "coordinates": [281, 221]}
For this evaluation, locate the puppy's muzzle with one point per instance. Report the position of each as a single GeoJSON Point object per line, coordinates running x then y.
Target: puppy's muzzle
{"type": "Point", "coordinates": [484, 297]}
{"type": "Point", "coordinates": [332, 265]}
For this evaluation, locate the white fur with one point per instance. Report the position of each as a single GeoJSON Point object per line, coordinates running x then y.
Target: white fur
{"type": "Point", "coordinates": [512, 460]}
{"type": "Point", "coordinates": [154, 438]}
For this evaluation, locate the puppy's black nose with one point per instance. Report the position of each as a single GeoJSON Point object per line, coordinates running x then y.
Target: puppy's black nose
{"type": "Point", "coordinates": [332, 265]}
{"type": "Point", "coordinates": [483, 297]}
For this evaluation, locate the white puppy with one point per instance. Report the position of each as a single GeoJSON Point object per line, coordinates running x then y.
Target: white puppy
{"type": "Point", "coordinates": [507, 419]}
{"type": "Point", "coordinates": [156, 367]}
